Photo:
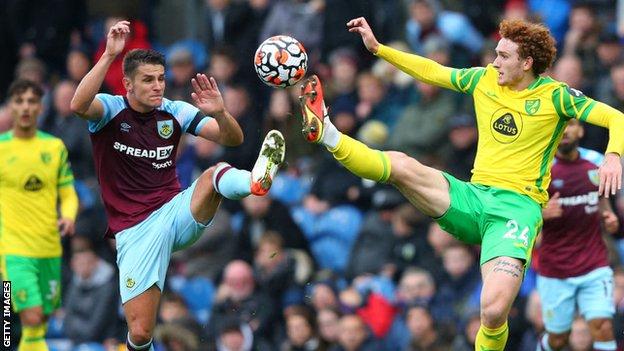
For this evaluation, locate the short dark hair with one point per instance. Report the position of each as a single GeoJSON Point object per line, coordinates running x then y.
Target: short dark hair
{"type": "Point", "coordinates": [135, 58]}
{"type": "Point", "coordinates": [20, 86]}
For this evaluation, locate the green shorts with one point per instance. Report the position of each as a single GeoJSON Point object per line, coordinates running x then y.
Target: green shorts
{"type": "Point", "coordinates": [34, 282]}
{"type": "Point", "coordinates": [504, 222]}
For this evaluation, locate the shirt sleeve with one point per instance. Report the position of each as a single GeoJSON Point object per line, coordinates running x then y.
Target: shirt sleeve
{"type": "Point", "coordinates": [113, 104]}
{"type": "Point", "coordinates": [191, 119]}
{"type": "Point", "coordinates": [428, 71]}
{"type": "Point", "coordinates": [572, 103]}
{"type": "Point", "coordinates": [67, 193]}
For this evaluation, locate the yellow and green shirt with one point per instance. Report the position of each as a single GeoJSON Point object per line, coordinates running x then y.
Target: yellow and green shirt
{"type": "Point", "coordinates": [518, 130]}
{"type": "Point", "coordinates": [34, 174]}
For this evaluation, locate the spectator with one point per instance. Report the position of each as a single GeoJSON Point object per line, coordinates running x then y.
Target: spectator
{"type": "Point", "coordinates": [92, 292]}
{"type": "Point", "coordinates": [77, 65]}
{"type": "Point", "coordinates": [328, 320]}
{"type": "Point", "coordinates": [462, 148]}
{"type": "Point", "coordinates": [261, 213]}
{"type": "Point", "coordinates": [424, 333]}
{"type": "Point", "coordinates": [533, 312]}
{"type": "Point", "coordinates": [354, 336]}
{"type": "Point", "coordinates": [238, 297]}
{"type": "Point", "coordinates": [324, 296]}
{"type": "Point", "coordinates": [465, 340]}
{"type": "Point", "coordinates": [301, 331]}
{"type": "Point", "coordinates": [182, 69]}
{"type": "Point", "coordinates": [238, 102]}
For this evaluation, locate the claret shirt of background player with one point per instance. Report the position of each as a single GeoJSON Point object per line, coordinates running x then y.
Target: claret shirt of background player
{"type": "Point", "coordinates": [572, 245]}
{"type": "Point", "coordinates": [135, 156]}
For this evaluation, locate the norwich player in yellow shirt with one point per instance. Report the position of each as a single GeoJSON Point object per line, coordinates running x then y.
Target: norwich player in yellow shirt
{"type": "Point", "coordinates": [34, 176]}
{"type": "Point", "coordinates": [520, 117]}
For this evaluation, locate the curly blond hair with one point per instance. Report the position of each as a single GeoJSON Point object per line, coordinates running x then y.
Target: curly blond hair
{"type": "Point", "coordinates": [534, 40]}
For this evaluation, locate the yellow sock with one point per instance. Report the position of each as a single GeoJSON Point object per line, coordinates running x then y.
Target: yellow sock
{"type": "Point", "coordinates": [492, 339]}
{"type": "Point", "coordinates": [33, 338]}
{"type": "Point", "coordinates": [361, 160]}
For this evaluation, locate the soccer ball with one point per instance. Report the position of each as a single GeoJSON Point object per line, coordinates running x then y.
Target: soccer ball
{"type": "Point", "coordinates": [280, 61]}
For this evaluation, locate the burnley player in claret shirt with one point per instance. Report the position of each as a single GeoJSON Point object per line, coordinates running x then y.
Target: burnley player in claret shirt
{"type": "Point", "coordinates": [572, 259]}
{"type": "Point", "coordinates": [135, 139]}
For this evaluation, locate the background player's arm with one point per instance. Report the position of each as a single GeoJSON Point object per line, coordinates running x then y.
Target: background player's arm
{"type": "Point", "coordinates": [610, 221]}
{"type": "Point", "coordinates": [571, 103]}
{"type": "Point", "coordinates": [223, 128]}
{"type": "Point", "coordinates": [84, 103]}
{"type": "Point", "coordinates": [67, 196]}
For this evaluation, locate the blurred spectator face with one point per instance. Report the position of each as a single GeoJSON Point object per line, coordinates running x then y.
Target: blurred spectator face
{"type": "Point", "coordinates": [580, 338]}
{"type": "Point", "coordinates": [217, 5]}
{"type": "Point", "coordinates": [256, 206]}
{"type": "Point", "coordinates": [238, 277]}
{"type": "Point", "coordinates": [233, 340]}
{"type": "Point", "coordinates": [516, 10]}
{"type": "Point", "coordinates": [428, 91]}
{"type": "Point", "coordinates": [344, 122]}
{"type": "Point", "coordinates": [25, 108]}
{"type": "Point", "coordinates": [63, 94]}
{"type": "Point", "coordinates": [31, 69]}
{"type": "Point", "coordinates": [569, 70]}
{"type": "Point", "coordinates": [279, 105]}
{"type": "Point", "coordinates": [370, 89]}
{"type": "Point", "coordinates": [236, 100]}
{"type": "Point", "coordinates": [78, 65]}
{"type": "Point", "coordinates": [344, 73]}
{"type": "Point", "coordinates": [323, 297]}
{"type": "Point", "coordinates": [422, 13]}
{"type": "Point", "coordinates": [352, 332]}
{"type": "Point", "coordinates": [171, 310]}
{"type": "Point", "coordinates": [438, 238]}
{"type": "Point", "coordinates": [327, 321]}
{"type": "Point", "coordinates": [609, 53]}
{"type": "Point", "coordinates": [416, 286]}
{"type": "Point", "coordinates": [268, 255]}
{"type": "Point", "coordinates": [182, 71]}
{"type": "Point", "coordinates": [83, 263]}
{"type": "Point", "coordinates": [581, 19]}
{"type": "Point", "coordinates": [222, 68]}
{"type": "Point", "coordinates": [457, 260]}
{"type": "Point", "coordinates": [298, 329]}
{"type": "Point", "coordinates": [350, 299]}
{"type": "Point", "coordinates": [617, 77]}
{"type": "Point", "coordinates": [419, 322]}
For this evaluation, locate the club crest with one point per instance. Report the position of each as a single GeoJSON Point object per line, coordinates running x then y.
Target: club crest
{"type": "Point", "coordinates": [593, 176]}
{"type": "Point", "coordinates": [532, 106]}
{"type": "Point", "coordinates": [165, 128]}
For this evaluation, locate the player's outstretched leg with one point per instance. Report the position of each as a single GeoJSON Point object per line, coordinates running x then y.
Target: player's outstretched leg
{"type": "Point", "coordinates": [317, 128]}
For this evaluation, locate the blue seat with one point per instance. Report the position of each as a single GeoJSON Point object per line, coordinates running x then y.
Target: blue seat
{"type": "Point", "coordinates": [331, 253]}
{"type": "Point", "coordinates": [289, 189]}
{"type": "Point", "coordinates": [198, 293]}
{"type": "Point", "coordinates": [342, 222]}
{"type": "Point", "coordinates": [305, 220]}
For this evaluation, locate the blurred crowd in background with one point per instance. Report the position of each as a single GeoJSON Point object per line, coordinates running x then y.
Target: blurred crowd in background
{"type": "Point", "coordinates": [326, 261]}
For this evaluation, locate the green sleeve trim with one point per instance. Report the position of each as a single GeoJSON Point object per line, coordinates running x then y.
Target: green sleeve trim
{"type": "Point", "coordinates": [34, 339]}
{"type": "Point", "coordinates": [548, 151]}
{"type": "Point", "coordinates": [44, 135]}
{"type": "Point", "coordinates": [454, 79]}
{"type": "Point", "coordinates": [386, 169]}
{"type": "Point", "coordinates": [587, 110]}
{"type": "Point", "coordinates": [557, 100]}
{"type": "Point", "coordinates": [6, 136]}
{"type": "Point", "coordinates": [476, 77]}
{"type": "Point", "coordinates": [66, 183]}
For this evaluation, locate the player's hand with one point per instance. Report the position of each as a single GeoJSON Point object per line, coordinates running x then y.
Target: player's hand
{"type": "Point", "coordinates": [66, 226]}
{"type": "Point", "coordinates": [116, 38]}
{"type": "Point", "coordinates": [207, 96]}
{"type": "Point", "coordinates": [610, 222]}
{"type": "Point", "coordinates": [553, 208]}
{"type": "Point", "coordinates": [610, 175]}
{"type": "Point", "coordinates": [360, 26]}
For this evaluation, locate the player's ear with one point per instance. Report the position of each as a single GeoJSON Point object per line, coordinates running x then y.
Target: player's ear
{"type": "Point", "coordinates": [127, 83]}
{"type": "Point", "coordinates": [527, 63]}
{"type": "Point", "coordinates": [581, 131]}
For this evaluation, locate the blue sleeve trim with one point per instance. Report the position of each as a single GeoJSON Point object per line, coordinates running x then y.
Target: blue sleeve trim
{"type": "Point", "coordinates": [113, 104]}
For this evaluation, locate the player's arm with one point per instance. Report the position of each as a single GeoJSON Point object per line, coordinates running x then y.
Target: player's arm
{"type": "Point", "coordinates": [223, 128]}
{"type": "Point", "coordinates": [610, 221]}
{"type": "Point", "coordinates": [419, 67]}
{"type": "Point", "coordinates": [67, 196]}
{"type": "Point", "coordinates": [571, 103]}
{"type": "Point", "coordinates": [84, 103]}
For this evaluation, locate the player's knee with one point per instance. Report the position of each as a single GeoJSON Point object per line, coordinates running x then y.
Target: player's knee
{"type": "Point", "coordinates": [403, 166]}
{"type": "Point", "coordinates": [493, 314]}
{"type": "Point", "coordinates": [140, 335]}
{"type": "Point", "coordinates": [32, 318]}
{"type": "Point", "coordinates": [601, 329]}
{"type": "Point", "coordinates": [558, 341]}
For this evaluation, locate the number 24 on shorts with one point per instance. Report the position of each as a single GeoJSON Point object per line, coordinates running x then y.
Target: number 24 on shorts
{"type": "Point", "coordinates": [512, 225]}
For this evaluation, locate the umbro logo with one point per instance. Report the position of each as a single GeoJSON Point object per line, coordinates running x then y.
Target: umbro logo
{"type": "Point", "coordinates": [125, 127]}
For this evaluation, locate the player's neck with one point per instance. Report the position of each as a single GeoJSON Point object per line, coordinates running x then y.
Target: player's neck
{"type": "Point", "coordinates": [22, 133]}
{"type": "Point", "coordinates": [526, 81]}
{"type": "Point", "coordinates": [569, 156]}
{"type": "Point", "coordinates": [137, 106]}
